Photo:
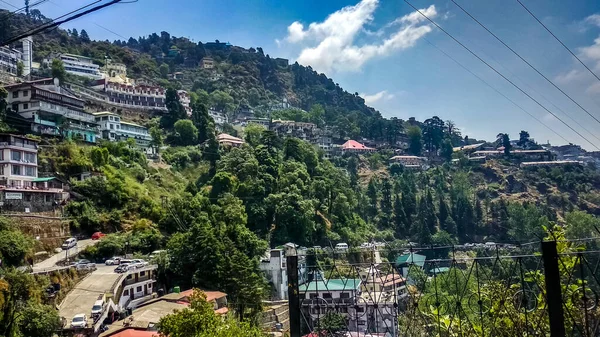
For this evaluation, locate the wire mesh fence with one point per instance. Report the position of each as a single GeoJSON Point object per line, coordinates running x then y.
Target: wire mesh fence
{"type": "Point", "coordinates": [478, 290]}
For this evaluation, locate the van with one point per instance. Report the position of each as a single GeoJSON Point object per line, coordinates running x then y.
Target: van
{"type": "Point", "coordinates": [341, 246]}
{"type": "Point", "coordinates": [69, 243]}
{"type": "Point", "coordinates": [97, 308]}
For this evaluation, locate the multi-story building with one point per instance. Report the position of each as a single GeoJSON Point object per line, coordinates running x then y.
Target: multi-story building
{"type": "Point", "coordinates": [184, 98]}
{"type": "Point", "coordinates": [218, 117]}
{"type": "Point", "coordinates": [21, 189]}
{"type": "Point", "coordinates": [320, 296]}
{"type": "Point", "coordinates": [10, 58]}
{"type": "Point", "coordinates": [113, 128]}
{"type": "Point", "coordinates": [413, 162]}
{"type": "Point", "coordinates": [113, 69]}
{"type": "Point", "coordinates": [352, 146]}
{"type": "Point", "coordinates": [207, 63]}
{"type": "Point", "coordinates": [76, 65]}
{"type": "Point", "coordinates": [305, 131]}
{"type": "Point", "coordinates": [274, 266]}
{"type": "Point", "coordinates": [52, 110]}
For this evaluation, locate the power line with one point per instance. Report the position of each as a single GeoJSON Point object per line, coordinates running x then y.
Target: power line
{"type": "Point", "coordinates": [7, 16]}
{"type": "Point", "coordinates": [496, 90]}
{"type": "Point", "coordinates": [8, 3]}
{"type": "Point", "coordinates": [58, 23]}
{"type": "Point", "coordinates": [557, 39]}
{"type": "Point", "coordinates": [524, 60]}
{"type": "Point", "coordinates": [499, 73]}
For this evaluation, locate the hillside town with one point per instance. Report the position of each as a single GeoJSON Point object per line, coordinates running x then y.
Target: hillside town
{"type": "Point", "coordinates": [158, 186]}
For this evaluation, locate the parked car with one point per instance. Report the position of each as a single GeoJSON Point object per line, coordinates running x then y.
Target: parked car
{"type": "Point", "coordinates": [115, 260]}
{"type": "Point", "coordinates": [342, 246]}
{"type": "Point", "coordinates": [97, 235]}
{"type": "Point", "coordinates": [97, 308]}
{"type": "Point", "coordinates": [139, 263]}
{"type": "Point", "coordinates": [155, 254]}
{"type": "Point", "coordinates": [123, 267]}
{"type": "Point", "coordinates": [69, 243]}
{"type": "Point", "coordinates": [79, 321]}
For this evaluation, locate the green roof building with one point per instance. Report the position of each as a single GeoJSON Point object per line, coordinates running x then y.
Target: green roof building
{"type": "Point", "coordinates": [331, 285]}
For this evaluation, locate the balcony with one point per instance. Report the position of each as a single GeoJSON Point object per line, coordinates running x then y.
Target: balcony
{"type": "Point", "coordinates": [66, 112]}
{"type": "Point", "coordinates": [83, 127]}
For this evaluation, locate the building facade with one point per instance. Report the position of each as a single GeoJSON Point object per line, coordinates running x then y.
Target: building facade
{"type": "Point", "coordinates": [21, 189]}
{"type": "Point", "coordinates": [76, 65]}
{"type": "Point", "coordinates": [51, 110]}
{"type": "Point", "coordinates": [113, 128]}
{"type": "Point", "coordinates": [207, 63]}
{"type": "Point", "coordinates": [9, 58]}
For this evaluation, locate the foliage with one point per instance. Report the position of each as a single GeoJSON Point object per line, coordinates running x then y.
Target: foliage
{"type": "Point", "coordinates": [186, 133]}
{"type": "Point", "coordinates": [200, 320]}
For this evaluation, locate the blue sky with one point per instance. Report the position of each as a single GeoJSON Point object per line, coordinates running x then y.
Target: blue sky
{"type": "Point", "coordinates": [380, 49]}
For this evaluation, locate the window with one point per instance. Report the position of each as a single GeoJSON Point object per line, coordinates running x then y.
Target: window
{"type": "Point", "coordinates": [112, 126]}
{"type": "Point", "coordinates": [129, 276]}
{"type": "Point", "coordinates": [47, 198]}
{"type": "Point", "coordinates": [110, 118]}
{"type": "Point", "coordinates": [15, 155]}
{"type": "Point", "coordinates": [15, 107]}
{"type": "Point", "coordinates": [126, 292]}
{"type": "Point", "coordinates": [16, 170]}
{"type": "Point", "coordinates": [15, 94]}
{"type": "Point", "coordinates": [25, 93]}
{"type": "Point", "coordinates": [326, 295]}
{"type": "Point", "coordinates": [25, 106]}
{"type": "Point", "coordinates": [138, 289]}
{"type": "Point", "coordinates": [2, 170]}
{"type": "Point", "coordinates": [27, 196]}
{"type": "Point", "coordinates": [345, 295]}
{"type": "Point", "coordinates": [30, 171]}
{"type": "Point", "coordinates": [142, 273]}
{"type": "Point", "coordinates": [313, 296]}
{"type": "Point", "coordinates": [150, 286]}
{"type": "Point", "coordinates": [29, 157]}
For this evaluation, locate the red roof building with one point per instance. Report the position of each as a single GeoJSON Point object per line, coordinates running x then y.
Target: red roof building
{"type": "Point", "coordinates": [353, 146]}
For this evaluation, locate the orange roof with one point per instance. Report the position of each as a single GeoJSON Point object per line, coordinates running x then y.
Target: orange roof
{"type": "Point", "coordinates": [135, 333]}
{"type": "Point", "coordinates": [210, 295]}
{"type": "Point", "coordinates": [223, 137]}
{"type": "Point", "coordinates": [352, 144]}
{"type": "Point", "coordinates": [222, 311]}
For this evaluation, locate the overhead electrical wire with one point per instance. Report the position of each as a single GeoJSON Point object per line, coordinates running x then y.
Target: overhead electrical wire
{"type": "Point", "coordinates": [524, 60]}
{"type": "Point", "coordinates": [9, 15]}
{"type": "Point", "coordinates": [8, 3]}
{"type": "Point", "coordinates": [496, 90]}
{"type": "Point", "coordinates": [559, 41]}
{"type": "Point", "coordinates": [55, 23]}
{"type": "Point", "coordinates": [500, 74]}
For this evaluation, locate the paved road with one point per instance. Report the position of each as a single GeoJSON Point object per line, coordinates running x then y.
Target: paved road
{"type": "Point", "coordinates": [81, 299]}
{"type": "Point", "coordinates": [50, 262]}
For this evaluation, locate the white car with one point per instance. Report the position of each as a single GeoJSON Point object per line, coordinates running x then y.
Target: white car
{"type": "Point", "coordinates": [97, 308]}
{"type": "Point", "coordinates": [79, 321]}
{"type": "Point", "coordinates": [155, 254]}
{"type": "Point", "coordinates": [113, 261]}
{"type": "Point", "coordinates": [138, 263]}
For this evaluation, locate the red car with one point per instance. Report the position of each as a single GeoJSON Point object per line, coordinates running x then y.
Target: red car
{"type": "Point", "coordinates": [97, 235]}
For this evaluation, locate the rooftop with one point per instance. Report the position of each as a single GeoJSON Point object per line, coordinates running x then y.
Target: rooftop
{"type": "Point", "coordinates": [331, 285]}
{"type": "Point", "coordinates": [352, 144]}
{"type": "Point", "coordinates": [411, 258]}
{"type": "Point", "coordinates": [154, 311]}
{"type": "Point", "coordinates": [104, 113]}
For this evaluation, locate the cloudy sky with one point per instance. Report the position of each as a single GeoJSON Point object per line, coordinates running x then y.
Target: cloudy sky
{"type": "Point", "coordinates": [394, 57]}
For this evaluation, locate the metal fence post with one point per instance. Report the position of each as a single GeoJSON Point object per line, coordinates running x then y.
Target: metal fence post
{"type": "Point", "coordinates": [553, 289]}
{"type": "Point", "coordinates": [293, 295]}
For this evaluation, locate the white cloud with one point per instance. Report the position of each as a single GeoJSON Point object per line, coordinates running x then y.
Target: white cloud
{"type": "Point", "coordinates": [593, 19]}
{"type": "Point", "coordinates": [592, 53]}
{"type": "Point", "coordinates": [380, 96]}
{"type": "Point", "coordinates": [549, 118]}
{"type": "Point", "coordinates": [569, 77]}
{"type": "Point", "coordinates": [329, 45]}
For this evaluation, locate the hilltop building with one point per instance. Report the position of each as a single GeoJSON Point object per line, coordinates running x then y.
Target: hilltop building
{"type": "Point", "coordinates": [10, 58]}
{"type": "Point", "coordinates": [207, 63]}
{"type": "Point", "coordinates": [352, 146]}
{"type": "Point", "coordinates": [76, 65]}
{"type": "Point", "coordinates": [52, 110]}
{"type": "Point", "coordinates": [113, 128]}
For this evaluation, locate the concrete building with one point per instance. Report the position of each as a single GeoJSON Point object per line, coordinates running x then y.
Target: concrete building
{"type": "Point", "coordinates": [413, 162]}
{"type": "Point", "coordinates": [219, 118]}
{"type": "Point", "coordinates": [227, 139]}
{"type": "Point", "coordinates": [76, 65]}
{"type": "Point", "coordinates": [274, 266]}
{"type": "Point", "coordinates": [137, 287]}
{"type": "Point", "coordinates": [352, 146]}
{"type": "Point", "coordinates": [207, 63]}
{"type": "Point", "coordinates": [320, 296]}
{"type": "Point", "coordinates": [113, 128]}
{"type": "Point", "coordinates": [52, 110]}
{"type": "Point", "coordinates": [10, 58]}
{"type": "Point", "coordinates": [305, 131]}
{"type": "Point", "coordinates": [21, 189]}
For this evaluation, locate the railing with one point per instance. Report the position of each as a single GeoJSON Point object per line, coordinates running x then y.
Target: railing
{"type": "Point", "coordinates": [73, 114]}
{"type": "Point", "coordinates": [483, 290]}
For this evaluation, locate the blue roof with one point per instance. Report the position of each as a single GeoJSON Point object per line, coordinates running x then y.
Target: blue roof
{"type": "Point", "coordinates": [411, 258]}
{"type": "Point", "coordinates": [331, 285]}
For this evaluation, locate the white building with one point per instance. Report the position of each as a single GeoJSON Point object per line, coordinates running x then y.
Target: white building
{"type": "Point", "coordinates": [52, 110]}
{"type": "Point", "coordinates": [137, 287]}
{"type": "Point", "coordinates": [275, 268]}
{"type": "Point", "coordinates": [411, 161]}
{"type": "Point", "coordinates": [219, 118]}
{"type": "Point", "coordinates": [113, 128]}
{"type": "Point", "coordinates": [76, 65]}
{"type": "Point", "coordinates": [10, 58]}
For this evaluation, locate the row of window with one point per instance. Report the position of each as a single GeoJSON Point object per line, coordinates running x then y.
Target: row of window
{"type": "Point", "coordinates": [137, 290]}
{"type": "Point", "coordinates": [20, 155]}
{"type": "Point", "coordinates": [15, 93]}
{"type": "Point", "coordinates": [326, 295]}
{"type": "Point", "coordinates": [19, 170]}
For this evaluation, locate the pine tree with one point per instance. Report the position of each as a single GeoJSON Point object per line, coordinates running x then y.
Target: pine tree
{"type": "Point", "coordinates": [430, 218]}
{"type": "Point", "coordinates": [443, 212]}
{"type": "Point", "coordinates": [74, 33]}
{"type": "Point", "coordinates": [420, 231]}
{"type": "Point", "coordinates": [372, 195]}
{"type": "Point", "coordinates": [400, 218]}
{"type": "Point", "coordinates": [84, 36]}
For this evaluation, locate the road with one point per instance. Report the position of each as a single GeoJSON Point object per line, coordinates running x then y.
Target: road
{"type": "Point", "coordinates": [81, 299]}
{"type": "Point", "coordinates": [51, 262]}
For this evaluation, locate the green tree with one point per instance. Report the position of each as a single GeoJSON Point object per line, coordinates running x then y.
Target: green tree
{"type": "Point", "coordinates": [447, 150]}
{"type": "Point", "coordinates": [222, 101]}
{"type": "Point", "coordinates": [525, 222]}
{"type": "Point", "coordinates": [253, 134]}
{"type": "Point", "coordinates": [186, 132]}
{"type": "Point", "coordinates": [20, 68]}
{"type": "Point", "coordinates": [334, 323]}
{"type": "Point", "coordinates": [39, 320]}
{"type": "Point", "coordinates": [200, 320]}
{"type": "Point", "coordinates": [74, 33]}
{"type": "Point", "coordinates": [99, 156]}
{"type": "Point", "coordinates": [164, 70]}
{"type": "Point", "coordinates": [14, 246]}
{"type": "Point", "coordinates": [581, 225]}
{"type": "Point", "coordinates": [373, 197]}
{"type": "Point", "coordinates": [523, 138]}
{"type": "Point", "coordinates": [84, 36]}
{"type": "Point", "coordinates": [157, 138]}
{"type": "Point", "coordinates": [415, 140]}
{"type": "Point", "coordinates": [175, 110]}
{"type": "Point", "coordinates": [504, 140]}
{"type": "Point", "coordinates": [58, 70]}
{"type": "Point", "coordinates": [203, 122]}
